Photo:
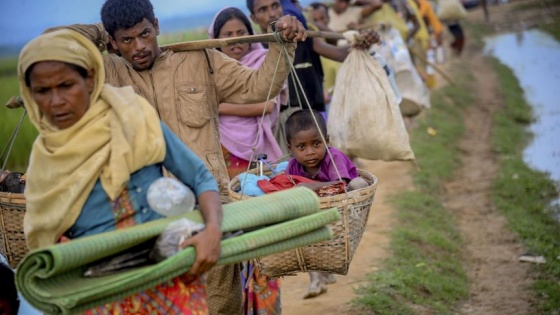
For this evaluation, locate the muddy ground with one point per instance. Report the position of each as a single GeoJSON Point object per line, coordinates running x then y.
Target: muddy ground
{"type": "Point", "coordinates": [499, 282]}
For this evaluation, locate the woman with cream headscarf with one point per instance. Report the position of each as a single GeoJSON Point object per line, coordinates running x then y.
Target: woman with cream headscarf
{"type": "Point", "coordinates": [98, 150]}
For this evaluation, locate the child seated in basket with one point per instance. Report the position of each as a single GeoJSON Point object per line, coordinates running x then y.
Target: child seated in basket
{"type": "Point", "coordinates": [314, 159]}
{"type": "Point", "coordinates": [310, 156]}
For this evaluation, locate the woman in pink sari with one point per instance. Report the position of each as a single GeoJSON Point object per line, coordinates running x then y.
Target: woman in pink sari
{"type": "Point", "coordinates": [244, 132]}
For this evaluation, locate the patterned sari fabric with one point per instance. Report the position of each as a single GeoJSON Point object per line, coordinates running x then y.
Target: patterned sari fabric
{"type": "Point", "coordinates": [260, 297]}
{"type": "Point", "coordinates": [181, 295]}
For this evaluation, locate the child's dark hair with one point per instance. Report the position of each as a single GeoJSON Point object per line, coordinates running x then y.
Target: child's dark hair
{"type": "Point", "coordinates": [8, 291]}
{"type": "Point", "coordinates": [303, 120]}
{"type": "Point", "coordinates": [124, 14]}
{"type": "Point", "coordinates": [230, 14]}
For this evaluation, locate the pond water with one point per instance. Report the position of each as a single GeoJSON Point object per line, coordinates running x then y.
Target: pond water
{"type": "Point", "coordinates": [534, 57]}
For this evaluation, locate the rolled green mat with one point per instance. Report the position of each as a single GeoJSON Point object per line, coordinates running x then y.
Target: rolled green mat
{"type": "Point", "coordinates": [75, 289]}
{"type": "Point", "coordinates": [40, 264]}
{"type": "Point", "coordinates": [320, 235]}
{"type": "Point", "coordinates": [254, 212]}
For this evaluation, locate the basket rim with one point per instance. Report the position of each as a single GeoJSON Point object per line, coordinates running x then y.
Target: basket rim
{"type": "Point", "coordinates": [349, 194]}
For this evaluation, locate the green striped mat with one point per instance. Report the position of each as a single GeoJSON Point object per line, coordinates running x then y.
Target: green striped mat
{"type": "Point", "coordinates": [51, 278]}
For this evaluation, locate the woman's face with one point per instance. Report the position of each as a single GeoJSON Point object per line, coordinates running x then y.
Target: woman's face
{"type": "Point", "coordinates": [61, 92]}
{"type": "Point", "coordinates": [234, 28]}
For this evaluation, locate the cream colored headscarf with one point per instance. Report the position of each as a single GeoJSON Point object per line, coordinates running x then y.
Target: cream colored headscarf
{"type": "Point", "coordinates": [119, 134]}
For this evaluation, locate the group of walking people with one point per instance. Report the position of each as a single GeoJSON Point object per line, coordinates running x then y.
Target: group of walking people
{"type": "Point", "coordinates": [111, 124]}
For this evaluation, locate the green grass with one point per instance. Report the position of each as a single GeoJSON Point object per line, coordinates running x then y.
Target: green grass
{"type": "Point", "coordinates": [553, 29]}
{"type": "Point", "coordinates": [536, 5]}
{"type": "Point", "coordinates": [425, 272]}
{"type": "Point", "coordinates": [524, 195]}
{"type": "Point", "coordinates": [8, 66]}
{"type": "Point", "coordinates": [178, 37]}
{"type": "Point", "coordinates": [19, 156]}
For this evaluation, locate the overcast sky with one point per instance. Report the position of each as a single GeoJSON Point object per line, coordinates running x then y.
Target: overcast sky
{"type": "Point", "coordinates": [21, 20]}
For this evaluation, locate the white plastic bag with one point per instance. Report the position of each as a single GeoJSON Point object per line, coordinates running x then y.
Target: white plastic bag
{"type": "Point", "coordinates": [169, 241]}
{"type": "Point", "coordinates": [364, 117]}
{"type": "Point", "coordinates": [169, 197]}
{"type": "Point", "coordinates": [415, 94]}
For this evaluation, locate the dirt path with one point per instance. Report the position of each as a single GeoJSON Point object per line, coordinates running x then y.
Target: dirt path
{"type": "Point", "coordinates": [393, 177]}
{"type": "Point", "coordinates": [499, 283]}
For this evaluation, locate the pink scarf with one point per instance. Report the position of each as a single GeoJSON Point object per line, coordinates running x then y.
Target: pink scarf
{"type": "Point", "coordinates": [239, 134]}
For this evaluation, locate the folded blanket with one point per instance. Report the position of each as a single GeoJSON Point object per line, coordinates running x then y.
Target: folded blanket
{"type": "Point", "coordinates": [249, 185]}
{"type": "Point", "coordinates": [52, 280]}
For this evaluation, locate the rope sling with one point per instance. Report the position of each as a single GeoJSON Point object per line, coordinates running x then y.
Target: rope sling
{"type": "Point", "coordinates": [332, 256]}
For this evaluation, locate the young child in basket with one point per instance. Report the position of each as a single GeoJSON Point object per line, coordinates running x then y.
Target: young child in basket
{"type": "Point", "coordinates": [311, 160]}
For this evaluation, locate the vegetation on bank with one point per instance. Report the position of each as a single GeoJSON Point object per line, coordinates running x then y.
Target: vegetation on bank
{"type": "Point", "coordinates": [425, 271]}
{"type": "Point", "coordinates": [19, 156]}
{"type": "Point", "coordinates": [524, 195]}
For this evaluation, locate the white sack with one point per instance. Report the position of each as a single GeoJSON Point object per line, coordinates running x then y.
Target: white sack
{"type": "Point", "coordinates": [364, 117]}
{"type": "Point", "coordinates": [451, 10]}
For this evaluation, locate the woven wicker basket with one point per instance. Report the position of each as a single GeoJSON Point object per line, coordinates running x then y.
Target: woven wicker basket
{"type": "Point", "coordinates": [12, 239]}
{"type": "Point", "coordinates": [332, 256]}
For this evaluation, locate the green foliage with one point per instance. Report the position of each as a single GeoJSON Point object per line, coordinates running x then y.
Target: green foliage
{"type": "Point", "coordinates": [19, 156]}
{"type": "Point", "coordinates": [179, 37]}
{"type": "Point", "coordinates": [425, 271]}
{"type": "Point", "coordinates": [524, 195]}
{"type": "Point", "coordinates": [552, 28]}
{"type": "Point", "coordinates": [435, 159]}
{"type": "Point", "coordinates": [8, 66]}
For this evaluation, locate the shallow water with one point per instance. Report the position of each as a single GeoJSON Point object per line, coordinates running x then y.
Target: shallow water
{"type": "Point", "coordinates": [534, 57]}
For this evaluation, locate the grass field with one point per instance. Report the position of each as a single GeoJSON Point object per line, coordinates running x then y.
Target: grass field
{"type": "Point", "coordinates": [524, 195]}
{"type": "Point", "coordinates": [424, 275]}
{"type": "Point", "coordinates": [18, 159]}
{"type": "Point", "coordinates": [425, 268]}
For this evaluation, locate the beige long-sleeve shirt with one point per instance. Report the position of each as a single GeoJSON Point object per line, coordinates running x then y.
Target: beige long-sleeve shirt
{"type": "Point", "coordinates": [187, 87]}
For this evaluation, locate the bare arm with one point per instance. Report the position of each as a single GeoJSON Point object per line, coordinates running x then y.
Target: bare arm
{"type": "Point", "coordinates": [335, 53]}
{"type": "Point", "coordinates": [246, 110]}
{"type": "Point", "coordinates": [330, 51]}
{"type": "Point", "coordinates": [416, 24]}
{"type": "Point", "coordinates": [370, 6]}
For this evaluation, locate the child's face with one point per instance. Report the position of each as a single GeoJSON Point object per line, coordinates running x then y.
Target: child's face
{"type": "Point", "coordinates": [308, 149]}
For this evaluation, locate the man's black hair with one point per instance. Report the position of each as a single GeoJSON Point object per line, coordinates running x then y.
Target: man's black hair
{"type": "Point", "coordinates": [230, 14]}
{"type": "Point", "coordinates": [124, 14]}
{"type": "Point", "coordinates": [8, 291]}
{"type": "Point", "coordinates": [250, 5]}
{"type": "Point", "coordinates": [319, 5]}
{"type": "Point", "coordinates": [302, 120]}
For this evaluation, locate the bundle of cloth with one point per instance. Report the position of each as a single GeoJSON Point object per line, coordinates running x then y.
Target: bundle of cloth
{"type": "Point", "coordinates": [52, 279]}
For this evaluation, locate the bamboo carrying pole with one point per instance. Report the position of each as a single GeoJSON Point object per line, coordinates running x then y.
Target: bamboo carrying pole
{"type": "Point", "coordinates": [16, 102]}
{"type": "Point", "coordinates": [223, 42]}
